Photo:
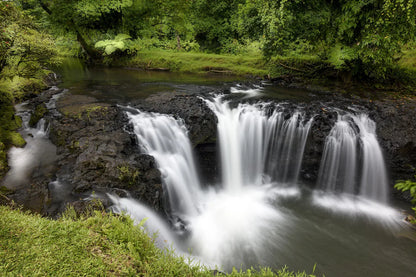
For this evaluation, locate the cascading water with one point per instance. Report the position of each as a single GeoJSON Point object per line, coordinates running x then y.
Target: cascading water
{"type": "Point", "coordinates": [35, 157]}
{"type": "Point", "coordinates": [374, 183]}
{"type": "Point", "coordinates": [247, 220]}
{"type": "Point", "coordinates": [352, 152]}
{"type": "Point", "coordinates": [254, 145]}
{"type": "Point", "coordinates": [214, 218]}
{"type": "Point", "coordinates": [165, 138]}
{"type": "Point", "coordinates": [339, 161]}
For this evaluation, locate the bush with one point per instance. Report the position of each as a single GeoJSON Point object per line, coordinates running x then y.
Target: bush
{"type": "Point", "coordinates": [410, 186]}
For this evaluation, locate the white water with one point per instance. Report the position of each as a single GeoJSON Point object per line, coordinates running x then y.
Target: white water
{"type": "Point", "coordinates": [256, 147]}
{"type": "Point", "coordinates": [153, 223]}
{"type": "Point", "coordinates": [165, 138]}
{"type": "Point", "coordinates": [35, 158]}
{"type": "Point", "coordinates": [249, 219]}
{"type": "Point", "coordinates": [374, 182]}
{"type": "Point", "coordinates": [248, 92]}
{"type": "Point", "coordinates": [352, 160]}
{"type": "Point", "coordinates": [214, 218]}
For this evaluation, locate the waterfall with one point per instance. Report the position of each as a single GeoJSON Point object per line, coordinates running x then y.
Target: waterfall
{"type": "Point", "coordinates": [165, 138]}
{"type": "Point", "coordinates": [374, 184]}
{"type": "Point", "coordinates": [239, 221]}
{"type": "Point", "coordinates": [255, 145]}
{"type": "Point", "coordinates": [352, 152]}
{"type": "Point", "coordinates": [35, 158]}
{"type": "Point", "coordinates": [153, 223]}
{"type": "Point", "coordinates": [214, 218]}
{"type": "Point", "coordinates": [339, 161]}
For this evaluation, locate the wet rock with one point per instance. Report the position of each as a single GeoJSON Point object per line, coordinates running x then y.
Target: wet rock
{"type": "Point", "coordinates": [200, 120]}
{"type": "Point", "coordinates": [323, 121]}
{"type": "Point", "coordinates": [396, 130]}
{"type": "Point", "coordinates": [99, 154]}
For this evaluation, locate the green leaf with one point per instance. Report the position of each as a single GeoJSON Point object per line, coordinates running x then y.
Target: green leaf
{"type": "Point", "coordinates": [120, 37]}
{"type": "Point", "coordinates": [109, 49]}
{"type": "Point", "coordinates": [102, 43]}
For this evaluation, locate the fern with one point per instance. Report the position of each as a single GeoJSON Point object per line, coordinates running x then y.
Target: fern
{"type": "Point", "coordinates": [112, 45]}
{"type": "Point", "coordinates": [340, 55]}
{"type": "Point", "coordinates": [407, 185]}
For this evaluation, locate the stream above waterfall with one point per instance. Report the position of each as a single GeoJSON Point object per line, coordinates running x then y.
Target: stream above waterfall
{"type": "Point", "coordinates": [270, 201]}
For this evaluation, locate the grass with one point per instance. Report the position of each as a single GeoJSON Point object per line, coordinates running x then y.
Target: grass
{"type": "Point", "coordinates": [99, 245]}
{"type": "Point", "coordinates": [197, 62]}
{"type": "Point", "coordinates": [408, 59]}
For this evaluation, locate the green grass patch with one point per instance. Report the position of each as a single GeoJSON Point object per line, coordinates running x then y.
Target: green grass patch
{"type": "Point", "coordinates": [408, 58]}
{"type": "Point", "coordinates": [100, 245]}
{"type": "Point", "coordinates": [197, 62]}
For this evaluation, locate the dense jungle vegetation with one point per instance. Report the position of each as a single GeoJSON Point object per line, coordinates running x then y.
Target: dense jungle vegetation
{"type": "Point", "coordinates": [367, 41]}
{"type": "Point", "coordinates": [360, 40]}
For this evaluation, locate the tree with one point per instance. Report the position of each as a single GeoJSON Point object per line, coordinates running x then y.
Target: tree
{"type": "Point", "coordinates": [361, 36]}
{"type": "Point", "coordinates": [83, 16]}
{"type": "Point", "coordinates": [215, 22]}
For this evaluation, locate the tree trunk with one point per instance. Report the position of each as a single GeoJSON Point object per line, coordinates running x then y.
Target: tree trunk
{"type": "Point", "coordinates": [178, 41]}
{"type": "Point", "coordinates": [91, 52]}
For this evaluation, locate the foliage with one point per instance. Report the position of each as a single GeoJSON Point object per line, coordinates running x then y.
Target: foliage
{"type": "Point", "coordinates": [128, 175]}
{"type": "Point", "coordinates": [25, 50]}
{"type": "Point", "coordinates": [362, 38]}
{"type": "Point", "coordinates": [408, 185]}
{"type": "Point", "coordinates": [112, 45]}
{"type": "Point", "coordinates": [99, 244]}
{"type": "Point", "coordinates": [358, 36]}
{"type": "Point", "coordinates": [215, 23]}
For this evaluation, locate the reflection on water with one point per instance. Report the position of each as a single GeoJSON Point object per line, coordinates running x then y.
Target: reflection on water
{"type": "Point", "coordinates": [118, 85]}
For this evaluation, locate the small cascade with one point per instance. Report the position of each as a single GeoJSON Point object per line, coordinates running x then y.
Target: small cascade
{"type": "Point", "coordinates": [36, 157]}
{"type": "Point", "coordinates": [352, 153]}
{"type": "Point", "coordinates": [254, 145]}
{"type": "Point", "coordinates": [373, 184]}
{"type": "Point", "coordinates": [338, 168]}
{"type": "Point", "coordinates": [247, 91]}
{"type": "Point", "coordinates": [165, 138]}
{"type": "Point", "coordinates": [287, 140]}
{"type": "Point", "coordinates": [138, 212]}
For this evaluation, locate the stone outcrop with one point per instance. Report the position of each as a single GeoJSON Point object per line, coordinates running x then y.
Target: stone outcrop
{"type": "Point", "coordinates": [97, 155]}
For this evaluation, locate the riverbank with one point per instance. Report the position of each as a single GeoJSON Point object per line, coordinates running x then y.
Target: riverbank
{"type": "Point", "coordinates": [303, 71]}
{"type": "Point", "coordinates": [95, 244]}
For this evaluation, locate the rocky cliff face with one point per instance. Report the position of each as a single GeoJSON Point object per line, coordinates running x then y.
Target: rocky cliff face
{"type": "Point", "coordinates": [98, 155]}
{"type": "Point", "coordinates": [396, 130]}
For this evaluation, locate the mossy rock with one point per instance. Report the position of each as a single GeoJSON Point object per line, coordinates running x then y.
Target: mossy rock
{"type": "Point", "coordinates": [128, 175]}
{"type": "Point", "coordinates": [3, 161]}
{"type": "Point", "coordinates": [39, 112]}
{"type": "Point", "coordinates": [16, 139]}
{"type": "Point", "coordinates": [5, 191]}
{"type": "Point", "coordinates": [80, 106]}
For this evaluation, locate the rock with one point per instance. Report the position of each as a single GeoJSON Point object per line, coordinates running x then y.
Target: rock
{"type": "Point", "coordinates": [396, 130]}
{"type": "Point", "coordinates": [200, 120]}
{"type": "Point", "coordinates": [97, 155]}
